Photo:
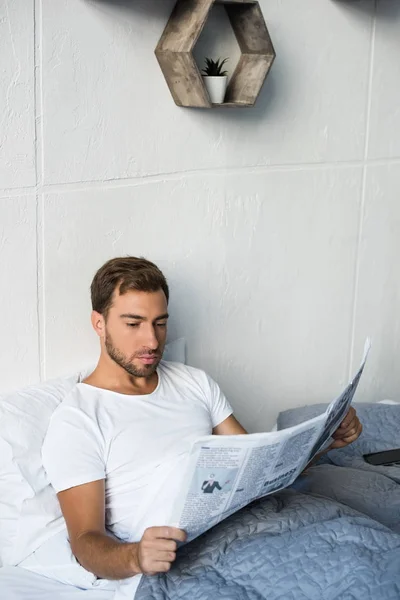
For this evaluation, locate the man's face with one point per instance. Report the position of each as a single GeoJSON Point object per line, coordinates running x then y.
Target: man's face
{"type": "Point", "coordinates": [136, 331]}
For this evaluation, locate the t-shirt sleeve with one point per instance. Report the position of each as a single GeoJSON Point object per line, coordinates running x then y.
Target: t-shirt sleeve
{"type": "Point", "coordinates": [73, 450]}
{"type": "Point", "coordinates": [219, 407]}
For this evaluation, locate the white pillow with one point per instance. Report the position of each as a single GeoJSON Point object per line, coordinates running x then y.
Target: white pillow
{"type": "Point", "coordinates": [176, 351]}
{"type": "Point", "coordinates": [26, 497]}
{"type": "Point", "coordinates": [24, 418]}
{"type": "Point", "coordinates": [388, 402]}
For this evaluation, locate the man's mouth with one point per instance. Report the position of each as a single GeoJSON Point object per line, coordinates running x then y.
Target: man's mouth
{"type": "Point", "coordinates": [148, 359]}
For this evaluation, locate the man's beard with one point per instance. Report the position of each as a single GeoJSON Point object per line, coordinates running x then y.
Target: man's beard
{"type": "Point", "coordinates": [126, 363]}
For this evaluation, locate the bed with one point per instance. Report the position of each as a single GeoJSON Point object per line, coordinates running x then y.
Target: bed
{"type": "Point", "coordinates": [17, 583]}
{"type": "Point", "coordinates": [294, 545]}
{"type": "Point", "coordinates": [334, 535]}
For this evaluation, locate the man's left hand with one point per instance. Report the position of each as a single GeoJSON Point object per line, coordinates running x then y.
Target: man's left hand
{"type": "Point", "coordinates": [348, 432]}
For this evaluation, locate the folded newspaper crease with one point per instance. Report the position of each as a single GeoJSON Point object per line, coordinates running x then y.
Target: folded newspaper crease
{"type": "Point", "coordinates": [225, 473]}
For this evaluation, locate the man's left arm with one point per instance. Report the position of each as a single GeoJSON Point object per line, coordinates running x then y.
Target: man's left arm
{"type": "Point", "coordinates": [230, 426]}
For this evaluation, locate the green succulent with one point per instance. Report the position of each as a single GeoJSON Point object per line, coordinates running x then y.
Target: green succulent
{"type": "Point", "coordinates": [213, 68]}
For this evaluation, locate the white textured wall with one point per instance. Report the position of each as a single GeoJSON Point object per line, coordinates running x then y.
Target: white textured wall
{"type": "Point", "coordinates": [278, 227]}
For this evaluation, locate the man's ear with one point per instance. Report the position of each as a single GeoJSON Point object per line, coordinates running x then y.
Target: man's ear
{"type": "Point", "coordinates": [98, 323]}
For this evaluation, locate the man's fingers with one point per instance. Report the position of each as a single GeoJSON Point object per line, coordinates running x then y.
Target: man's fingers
{"type": "Point", "coordinates": [173, 533]}
{"type": "Point", "coordinates": [341, 433]}
{"type": "Point", "coordinates": [338, 444]}
{"type": "Point", "coordinates": [165, 556]}
{"type": "Point", "coordinates": [162, 567]}
{"type": "Point", "coordinates": [170, 546]}
{"type": "Point", "coordinates": [167, 533]}
{"type": "Point", "coordinates": [348, 418]}
{"type": "Point", "coordinates": [348, 433]}
{"type": "Point", "coordinates": [159, 545]}
{"type": "Point", "coordinates": [348, 429]}
{"type": "Point", "coordinates": [341, 442]}
{"type": "Point", "coordinates": [352, 437]}
{"type": "Point", "coordinates": [157, 549]}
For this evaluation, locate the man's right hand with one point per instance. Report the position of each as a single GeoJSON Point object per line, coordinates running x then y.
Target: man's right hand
{"type": "Point", "coordinates": [83, 508]}
{"type": "Point", "coordinates": [156, 551]}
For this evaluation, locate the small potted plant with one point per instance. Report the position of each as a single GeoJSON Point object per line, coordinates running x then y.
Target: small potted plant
{"type": "Point", "coordinates": [215, 79]}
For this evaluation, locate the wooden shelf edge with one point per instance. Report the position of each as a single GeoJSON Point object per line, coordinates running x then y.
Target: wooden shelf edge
{"type": "Point", "coordinates": [235, 1]}
{"type": "Point", "coordinates": [232, 105]}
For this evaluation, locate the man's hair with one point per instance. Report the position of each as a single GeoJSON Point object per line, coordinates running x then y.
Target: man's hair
{"type": "Point", "coordinates": [125, 274]}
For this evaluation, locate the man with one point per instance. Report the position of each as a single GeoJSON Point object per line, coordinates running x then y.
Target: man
{"type": "Point", "coordinates": [210, 484]}
{"type": "Point", "coordinates": [118, 431]}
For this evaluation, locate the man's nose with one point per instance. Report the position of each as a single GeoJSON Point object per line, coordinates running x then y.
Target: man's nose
{"type": "Point", "coordinates": [150, 340]}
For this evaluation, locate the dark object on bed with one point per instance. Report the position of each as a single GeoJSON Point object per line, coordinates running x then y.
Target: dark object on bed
{"type": "Point", "coordinates": [388, 458]}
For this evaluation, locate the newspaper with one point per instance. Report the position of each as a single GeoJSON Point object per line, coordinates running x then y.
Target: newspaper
{"type": "Point", "coordinates": [225, 473]}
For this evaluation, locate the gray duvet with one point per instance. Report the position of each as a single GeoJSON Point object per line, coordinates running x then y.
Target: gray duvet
{"type": "Point", "coordinates": [291, 546]}
{"type": "Point", "coordinates": [334, 537]}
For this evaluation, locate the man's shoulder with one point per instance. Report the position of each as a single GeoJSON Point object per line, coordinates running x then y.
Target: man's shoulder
{"type": "Point", "coordinates": [77, 399]}
{"type": "Point", "coordinates": [185, 373]}
{"type": "Point", "coordinates": [76, 395]}
{"type": "Point", "coordinates": [181, 369]}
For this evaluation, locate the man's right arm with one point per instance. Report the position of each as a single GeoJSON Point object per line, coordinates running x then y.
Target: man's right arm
{"type": "Point", "coordinates": [83, 508]}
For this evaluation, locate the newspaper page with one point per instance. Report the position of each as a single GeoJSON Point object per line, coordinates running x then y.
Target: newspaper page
{"type": "Point", "coordinates": [225, 473]}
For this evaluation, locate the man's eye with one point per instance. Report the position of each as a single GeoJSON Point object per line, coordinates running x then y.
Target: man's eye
{"type": "Point", "coordinates": [133, 324]}
{"type": "Point", "coordinates": [161, 324]}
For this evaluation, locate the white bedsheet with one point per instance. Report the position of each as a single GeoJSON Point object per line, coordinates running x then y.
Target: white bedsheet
{"type": "Point", "coordinates": [17, 583]}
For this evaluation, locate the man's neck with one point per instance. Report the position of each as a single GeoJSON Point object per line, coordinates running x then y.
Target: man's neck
{"type": "Point", "coordinates": [114, 378]}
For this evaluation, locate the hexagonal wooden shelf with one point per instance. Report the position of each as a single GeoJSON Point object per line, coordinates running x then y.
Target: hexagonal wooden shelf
{"type": "Point", "coordinates": [174, 52]}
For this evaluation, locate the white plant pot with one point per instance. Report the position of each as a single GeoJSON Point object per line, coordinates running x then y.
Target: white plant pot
{"type": "Point", "coordinates": [216, 87]}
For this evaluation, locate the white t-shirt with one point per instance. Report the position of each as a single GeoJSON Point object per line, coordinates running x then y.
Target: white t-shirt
{"type": "Point", "coordinates": [138, 444]}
